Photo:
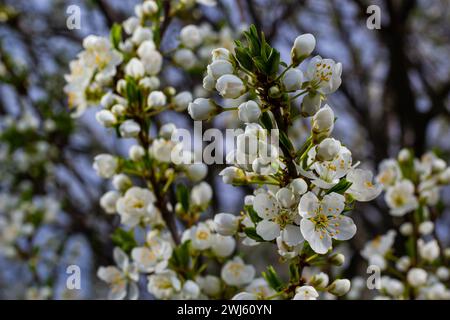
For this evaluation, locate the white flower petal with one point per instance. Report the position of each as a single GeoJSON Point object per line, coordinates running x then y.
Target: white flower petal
{"type": "Point", "coordinates": [268, 230]}
{"type": "Point", "coordinates": [292, 235]}
{"type": "Point", "coordinates": [308, 205]}
{"type": "Point", "coordinates": [320, 242]}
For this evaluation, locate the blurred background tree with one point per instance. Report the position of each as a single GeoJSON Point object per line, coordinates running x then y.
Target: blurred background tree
{"type": "Point", "coordinates": [395, 93]}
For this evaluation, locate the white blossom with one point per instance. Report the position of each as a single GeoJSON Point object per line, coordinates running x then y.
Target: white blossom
{"type": "Point", "coordinates": [322, 221]}
{"type": "Point", "coordinates": [236, 273]}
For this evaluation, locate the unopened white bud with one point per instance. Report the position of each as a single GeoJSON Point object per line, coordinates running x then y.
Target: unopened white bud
{"type": "Point", "coordinates": [135, 68]}
{"type": "Point", "coordinates": [226, 224]}
{"type": "Point", "coordinates": [149, 7]}
{"type": "Point", "coordinates": [293, 80]}
{"type": "Point", "coordinates": [406, 229]}
{"type": "Point", "coordinates": [303, 47]}
{"type": "Point", "coordinates": [426, 228]}
{"type": "Point", "coordinates": [190, 36]}
{"type": "Point", "coordinates": [337, 259]}
{"type": "Point", "coordinates": [182, 100]}
{"type": "Point", "coordinates": [106, 118]}
{"type": "Point", "coordinates": [220, 54]}
{"type": "Point", "coordinates": [157, 99]}
{"type": "Point", "coordinates": [202, 109]}
{"type": "Point", "coordinates": [185, 58]}
{"type": "Point", "coordinates": [230, 86]}
{"type": "Point", "coordinates": [136, 152]}
{"type": "Point", "coordinates": [311, 104]}
{"type": "Point", "coordinates": [129, 129]}
{"type": "Point", "coordinates": [219, 68]}
{"type": "Point", "coordinates": [249, 111]}
{"type": "Point", "coordinates": [339, 287]}
{"type": "Point", "coordinates": [121, 182]}
{"type": "Point", "coordinates": [417, 277]}
{"type": "Point", "coordinates": [404, 155]}
{"type": "Point", "coordinates": [149, 83]}
{"type": "Point", "coordinates": [167, 130]}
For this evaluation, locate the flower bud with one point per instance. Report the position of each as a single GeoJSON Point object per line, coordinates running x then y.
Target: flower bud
{"type": "Point", "coordinates": [145, 48]}
{"type": "Point", "coordinates": [140, 34]}
{"type": "Point", "coordinates": [202, 109]}
{"type": "Point", "coordinates": [157, 99]}
{"type": "Point", "coordinates": [196, 171]}
{"type": "Point", "coordinates": [298, 186]}
{"type": "Point", "coordinates": [303, 47]}
{"type": "Point", "coordinates": [443, 273]}
{"type": "Point", "coordinates": [121, 86]}
{"type": "Point", "coordinates": [105, 165]}
{"type": "Point", "coordinates": [416, 277]}
{"type": "Point", "coordinates": [426, 228]}
{"type": "Point", "coordinates": [444, 177]}
{"type": "Point", "coordinates": [404, 155]}
{"type": "Point", "coordinates": [121, 182]}
{"type": "Point", "coordinates": [337, 259]}
{"type": "Point", "coordinates": [293, 80]}
{"type": "Point", "coordinates": [323, 123]}
{"type": "Point", "coordinates": [118, 109]}
{"type": "Point", "coordinates": [152, 61]}
{"type": "Point", "coordinates": [403, 263]}
{"type": "Point", "coordinates": [223, 246]}
{"type": "Point", "coordinates": [219, 68]}
{"type": "Point", "coordinates": [182, 100]}
{"type": "Point", "coordinates": [135, 68]}
{"type": "Point", "coordinates": [108, 201]}
{"type": "Point", "coordinates": [226, 224]}
{"type": "Point", "coordinates": [311, 104]}
{"type": "Point", "coordinates": [249, 111]}
{"type": "Point", "coordinates": [129, 129]}
{"type": "Point", "coordinates": [274, 92]}
{"type": "Point", "coordinates": [339, 287]}
{"type": "Point", "coordinates": [149, 83]}
{"type": "Point", "coordinates": [220, 54]}
{"type": "Point", "coordinates": [190, 36]}
{"type": "Point", "coordinates": [406, 229]}
{"type": "Point", "coordinates": [328, 149]}
{"type": "Point", "coordinates": [136, 152]}
{"type": "Point", "coordinates": [149, 7]}
{"type": "Point", "coordinates": [167, 130]}
{"type": "Point", "coordinates": [107, 100]}
{"type": "Point", "coordinates": [201, 194]}
{"type": "Point", "coordinates": [185, 58]}
{"type": "Point", "coordinates": [106, 118]}
{"type": "Point", "coordinates": [209, 83]}
{"type": "Point", "coordinates": [230, 86]}
{"type": "Point", "coordinates": [319, 280]}
{"type": "Point", "coordinates": [232, 175]}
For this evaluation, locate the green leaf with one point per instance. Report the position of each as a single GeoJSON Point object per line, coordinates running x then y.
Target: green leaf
{"type": "Point", "coordinates": [116, 35]}
{"type": "Point", "coordinates": [182, 194]}
{"type": "Point", "coordinates": [286, 142]}
{"type": "Point", "coordinates": [180, 256]}
{"type": "Point", "coordinates": [273, 279]}
{"type": "Point", "coordinates": [124, 239]}
{"type": "Point", "coordinates": [341, 187]}
{"type": "Point", "coordinates": [252, 214]}
{"type": "Point", "coordinates": [244, 58]}
{"type": "Point", "coordinates": [266, 121]}
{"type": "Point", "coordinates": [251, 233]}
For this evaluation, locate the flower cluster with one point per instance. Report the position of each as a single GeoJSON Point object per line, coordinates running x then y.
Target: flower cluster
{"type": "Point", "coordinates": [412, 193]}
{"type": "Point", "coordinates": [303, 196]}
{"type": "Point", "coordinates": [157, 187]}
{"type": "Point", "coordinates": [29, 202]}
